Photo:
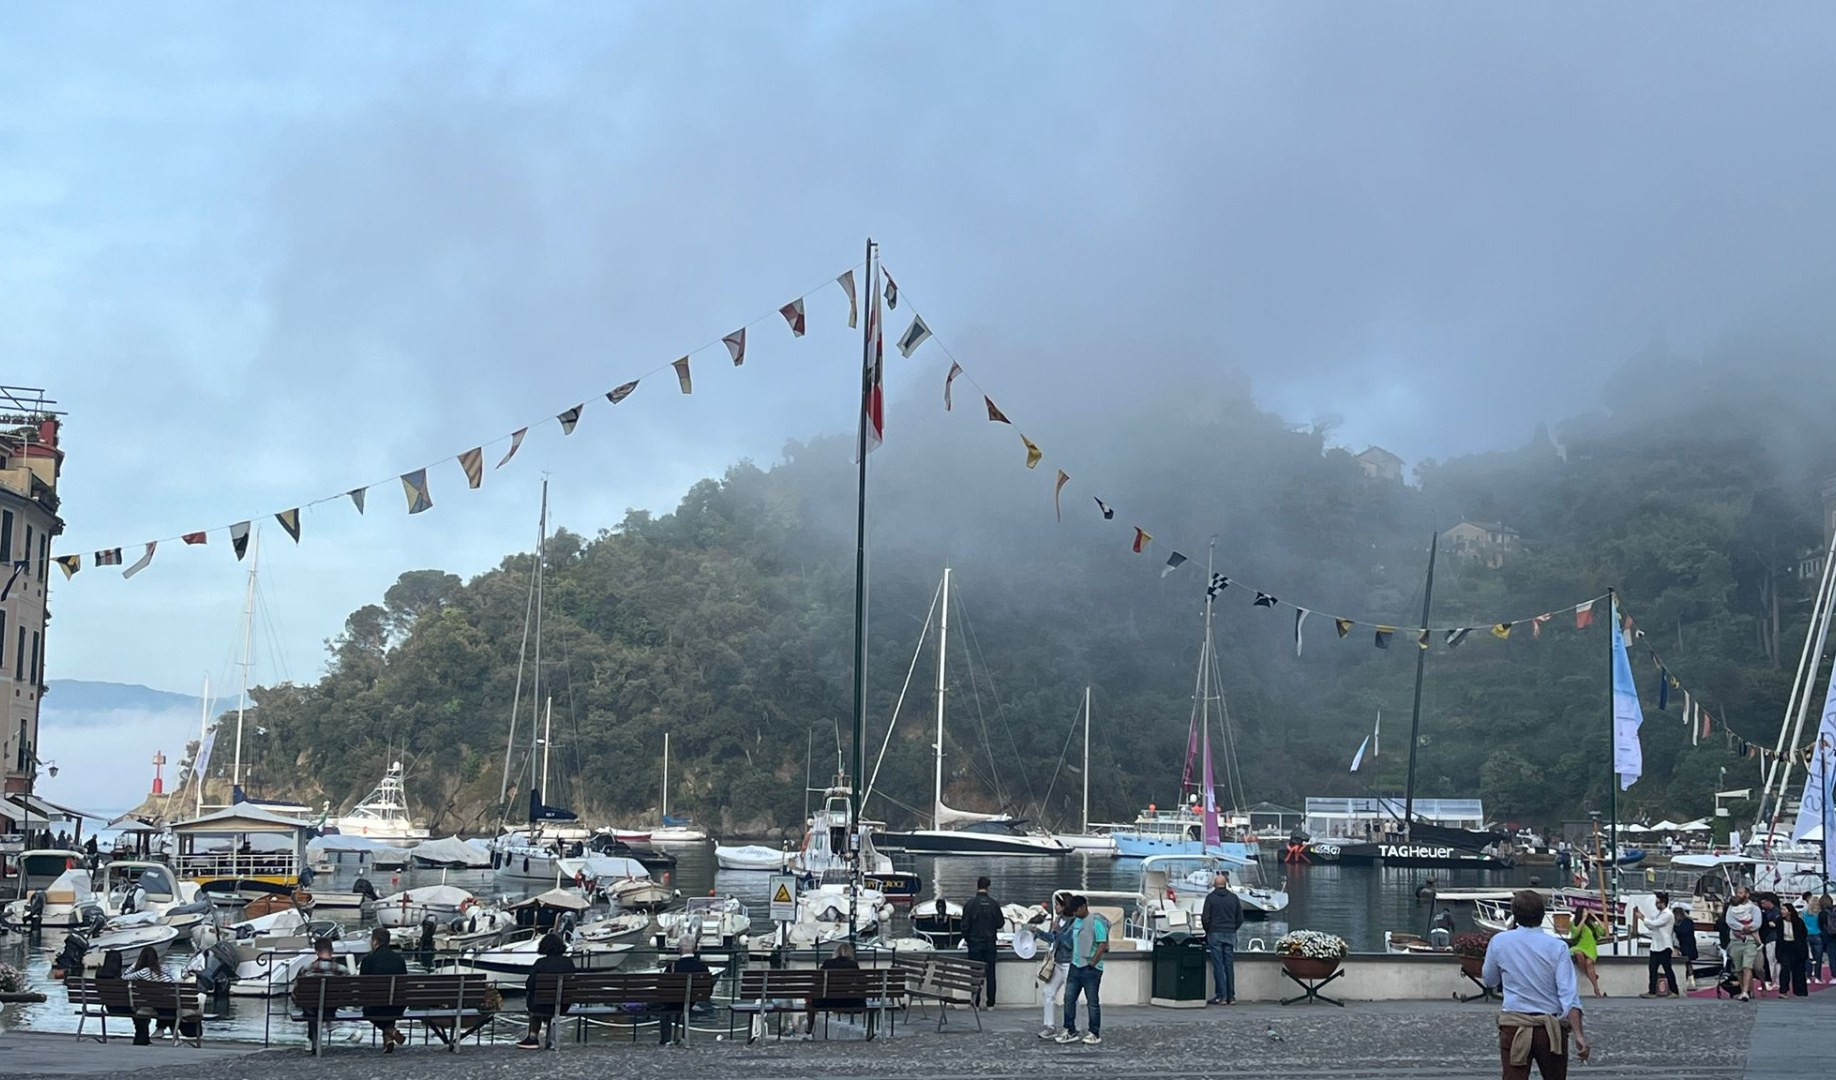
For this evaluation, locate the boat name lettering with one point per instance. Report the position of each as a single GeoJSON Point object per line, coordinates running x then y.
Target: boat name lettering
{"type": "Point", "coordinates": [1329, 850]}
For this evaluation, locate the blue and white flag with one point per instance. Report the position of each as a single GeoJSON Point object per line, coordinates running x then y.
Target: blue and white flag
{"type": "Point", "coordinates": [200, 769]}
{"type": "Point", "coordinates": [1814, 808]}
{"type": "Point", "coordinates": [1358, 758]}
{"type": "Point", "coordinates": [1628, 755]}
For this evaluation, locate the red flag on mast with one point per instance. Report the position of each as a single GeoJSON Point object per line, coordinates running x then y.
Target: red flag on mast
{"type": "Point", "coordinates": [875, 403]}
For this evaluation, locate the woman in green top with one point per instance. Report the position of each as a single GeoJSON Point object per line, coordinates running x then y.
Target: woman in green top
{"type": "Point", "coordinates": [1584, 946]}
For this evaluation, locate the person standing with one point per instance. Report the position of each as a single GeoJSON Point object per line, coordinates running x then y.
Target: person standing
{"type": "Point", "coordinates": [982, 920]}
{"type": "Point", "coordinates": [1220, 919]}
{"type": "Point", "coordinates": [1743, 944]}
{"type": "Point", "coordinates": [384, 960]}
{"type": "Point", "coordinates": [1812, 913]}
{"type": "Point", "coordinates": [1584, 946]}
{"type": "Point", "coordinates": [1089, 943]}
{"type": "Point", "coordinates": [1059, 937]}
{"type": "Point", "coordinates": [1662, 927]}
{"type": "Point", "coordinates": [1792, 951]}
{"type": "Point", "coordinates": [1769, 941]}
{"type": "Point", "coordinates": [1541, 1009]}
{"type": "Point", "coordinates": [1686, 945]}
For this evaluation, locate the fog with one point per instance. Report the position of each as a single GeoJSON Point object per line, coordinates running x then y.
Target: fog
{"type": "Point", "coordinates": [264, 262]}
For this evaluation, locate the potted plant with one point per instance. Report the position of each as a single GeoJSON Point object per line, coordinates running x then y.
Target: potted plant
{"type": "Point", "coordinates": [1311, 954]}
{"type": "Point", "coordinates": [1470, 948]}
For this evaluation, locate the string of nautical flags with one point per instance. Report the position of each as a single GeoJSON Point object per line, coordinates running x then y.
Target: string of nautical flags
{"type": "Point", "coordinates": [1141, 540]}
{"type": "Point", "coordinates": [417, 484]}
{"type": "Point", "coordinates": [1702, 722]}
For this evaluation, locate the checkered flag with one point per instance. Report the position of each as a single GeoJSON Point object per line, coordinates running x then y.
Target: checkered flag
{"type": "Point", "coordinates": [1218, 584]}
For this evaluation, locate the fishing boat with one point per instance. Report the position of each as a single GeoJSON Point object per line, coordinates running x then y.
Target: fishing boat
{"type": "Point", "coordinates": [68, 900]}
{"type": "Point", "coordinates": [962, 832]}
{"type": "Point", "coordinates": [752, 857]}
{"type": "Point", "coordinates": [383, 813]}
{"type": "Point", "coordinates": [640, 894]}
{"type": "Point", "coordinates": [713, 921]}
{"type": "Point", "coordinates": [825, 839]}
{"type": "Point", "coordinates": [1088, 841]}
{"type": "Point", "coordinates": [411, 907]}
{"type": "Point", "coordinates": [508, 963]}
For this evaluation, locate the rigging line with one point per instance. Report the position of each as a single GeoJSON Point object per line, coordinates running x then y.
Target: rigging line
{"type": "Point", "coordinates": [981, 718]}
{"type": "Point", "coordinates": [923, 633]}
{"type": "Point", "coordinates": [1233, 769]}
{"type": "Point", "coordinates": [1000, 710]}
{"type": "Point", "coordinates": [1062, 753]}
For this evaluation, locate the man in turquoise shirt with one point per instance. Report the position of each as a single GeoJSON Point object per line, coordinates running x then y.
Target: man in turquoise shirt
{"type": "Point", "coordinates": [1089, 942]}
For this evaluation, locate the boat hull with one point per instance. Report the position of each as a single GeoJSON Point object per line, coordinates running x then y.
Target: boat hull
{"type": "Point", "coordinates": [1367, 853]}
{"type": "Point", "coordinates": [947, 842]}
{"type": "Point", "coordinates": [1142, 845]}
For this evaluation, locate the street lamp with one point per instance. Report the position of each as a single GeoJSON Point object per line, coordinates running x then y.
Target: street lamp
{"type": "Point", "coordinates": [33, 763]}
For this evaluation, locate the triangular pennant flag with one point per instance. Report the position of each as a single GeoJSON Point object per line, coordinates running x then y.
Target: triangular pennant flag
{"type": "Point", "coordinates": [1058, 489]}
{"type": "Point", "coordinates": [1108, 512]}
{"type": "Point", "coordinates": [140, 564]}
{"type": "Point", "coordinates": [1358, 758]}
{"type": "Point", "coordinates": [793, 314]}
{"type": "Point", "coordinates": [1300, 616]}
{"type": "Point", "coordinates": [1142, 538]}
{"type": "Point", "coordinates": [1265, 600]}
{"type": "Point", "coordinates": [1455, 637]}
{"type": "Point", "coordinates": [69, 564]}
{"type": "Point", "coordinates": [108, 557]}
{"type": "Point", "coordinates": [239, 539]}
{"type": "Point", "coordinates": [1708, 723]}
{"type": "Point", "coordinates": [290, 521]}
{"type": "Point", "coordinates": [913, 337]}
{"type": "Point", "coordinates": [1032, 452]}
{"type": "Point", "coordinates": [1502, 630]}
{"type": "Point", "coordinates": [195, 538]}
{"type": "Point", "coordinates": [19, 567]}
{"type": "Point", "coordinates": [846, 281]}
{"type": "Point", "coordinates": [995, 414]}
{"type": "Point", "coordinates": [516, 443]}
{"type": "Point", "coordinates": [414, 488]}
{"type": "Point", "coordinates": [1174, 561]}
{"type": "Point", "coordinates": [682, 376]}
{"type": "Point", "coordinates": [1536, 626]}
{"type": "Point", "coordinates": [1663, 688]}
{"type": "Point", "coordinates": [570, 417]}
{"type": "Point", "coordinates": [1382, 640]}
{"type": "Point", "coordinates": [736, 343]}
{"type": "Point", "coordinates": [1218, 584]}
{"type": "Point", "coordinates": [1343, 626]}
{"type": "Point", "coordinates": [1584, 615]}
{"type": "Point", "coordinates": [1421, 640]}
{"type": "Point", "coordinates": [955, 370]}
{"type": "Point", "coordinates": [472, 461]}
{"type": "Point", "coordinates": [621, 391]}
{"type": "Point", "coordinates": [892, 293]}
{"type": "Point", "coordinates": [357, 495]}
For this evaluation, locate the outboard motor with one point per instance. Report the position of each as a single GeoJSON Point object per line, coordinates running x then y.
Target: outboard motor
{"type": "Point", "coordinates": [363, 888]}
{"type": "Point", "coordinates": [216, 968]}
{"type": "Point", "coordinates": [428, 926]}
{"type": "Point", "coordinates": [70, 957]}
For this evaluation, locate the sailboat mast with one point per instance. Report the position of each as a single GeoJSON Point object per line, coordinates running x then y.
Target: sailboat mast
{"type": "Point", "coordinates": [943, 644]}
{"type": "Point", "coordinates": [548, 728]}
{"type": "Point", "coordinates": [516, 696]}
{"type": "Point", "coordinates": [664, 814]}
{"type": "Point", "coordinates": [1807, 673]}
{"type": "Point", "coordinates": [535, 673]}
{"type": "Point", "coordinates": [248, 657]}
{"type": "Point", "coordinates": [1415, 710]}
{"type": "Point", "coordinates": [1086, 826]}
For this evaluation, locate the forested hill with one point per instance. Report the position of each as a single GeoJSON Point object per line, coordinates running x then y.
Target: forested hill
{"type": "Point", "coordinates": [728, 622]}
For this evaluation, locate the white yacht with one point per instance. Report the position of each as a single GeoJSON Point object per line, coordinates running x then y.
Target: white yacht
{"type": "Point", "coordinates": [383, 814]}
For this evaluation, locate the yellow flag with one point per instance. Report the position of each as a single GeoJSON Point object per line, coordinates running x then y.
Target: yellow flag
{"type": "Point", "coordinates": [1032, 452]}
{"type": "Point", "coordinates": [1502, 630]}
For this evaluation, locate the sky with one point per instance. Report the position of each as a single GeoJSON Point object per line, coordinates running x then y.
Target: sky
{"type": "Point", "coordinates": [263, 260]}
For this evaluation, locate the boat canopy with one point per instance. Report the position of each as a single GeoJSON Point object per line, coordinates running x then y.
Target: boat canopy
{"type": "Point", "coordinates": [451, 851]}
{"type": "Point", "coordinates": [603, 867]}
{"type": "Point", "coordinates": [343, 842]}
{"type": "Point", "coordinates": [555, 898]}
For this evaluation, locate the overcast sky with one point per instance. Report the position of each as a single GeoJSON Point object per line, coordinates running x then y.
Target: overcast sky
{"type": "Point", "coordinates": [263, 255]}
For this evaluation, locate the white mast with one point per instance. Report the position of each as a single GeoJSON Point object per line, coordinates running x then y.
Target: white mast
{"type": "Point", "coordinates": [1086, 761]}
{"type": "Point", "coordinates": [248, 657]}
{"type": "Point", "coordinates": [665, 811]}
{"type": "Point", "coordinates": [535, 685]}
{"type": "Point", "coordinates": [203, 733]}
{"type": "Point", "coordinates": [548, 729]}
{"type": "Point", "coordinates": [1778, 768]}
{"type": "Point", "coordinates": [943, 642]}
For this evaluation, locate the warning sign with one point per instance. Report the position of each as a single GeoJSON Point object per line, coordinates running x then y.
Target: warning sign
{"type": "Point", "coordinates": [783, 893]}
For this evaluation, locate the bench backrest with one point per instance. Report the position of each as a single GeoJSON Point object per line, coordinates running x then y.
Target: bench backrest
{"type": "Point", "coordinates": [955, 975]}
{"type": "Point", "coordinates": [765, 984]}
{"type": "Point", "coordinates": [99, 993]}
{"type": "Point", "coordinates": [612, 987]}
{"type": "Point", "coordinates": [425, 992]}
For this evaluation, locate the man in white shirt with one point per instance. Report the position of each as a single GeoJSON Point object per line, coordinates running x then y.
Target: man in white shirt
{"type": "Point", "coordinates": [1541, 1004]}
{"type": "Point", "coordinates": [1743, 919]}
{"type": "Point", "coordinates": [1663, 930]}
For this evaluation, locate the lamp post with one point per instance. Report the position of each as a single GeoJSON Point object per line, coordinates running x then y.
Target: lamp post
{"type": "Point", "coordinates": [32, 766]}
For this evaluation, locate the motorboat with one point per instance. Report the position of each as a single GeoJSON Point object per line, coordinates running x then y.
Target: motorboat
{"type": "Point", "coordinates": [125, 936]}
{"type": "Point", "coordinates": [557, 911]}
{"type": "Point", "coordinates": [628, 925]}
{"type": "Point", "coordinates": [640, 894]}
{"type": "Point", "coordinates": [1259, 901]}
{"type": "Point", "coordinates": [126, 887]}
{"type": "Point", "coordinates": [752, 857]}
{"type": "Point", "coordinates": [361, 895]}
{"type": "Point", "coordinates": [595, 875]}
{"type": "Point", "coordinates": [383, 813]}
{"type": "Point", "coordinates": [823, 914]}
{"type": "Point", "coordinates": [68, 900]}
{"type": "Point", "coordinates": [411, 907]}
{"type": "Point", "coordinates": [477, 927]}
{"type": "Point", "coordinates": [1174, 887]}
{"type": "Point", "coordinates": [714, 921]}
{"type": "Point", "coordinates": [818, 858]}
{"type": "Point", "coordinates": [653, 859]}
{"type": "Point", "coordinates": [679, 834]}
{"type": "Point", "coordinates": [450, 853]}
{"type": "Point", "coordinates": [939, 922]}
{"type": "Point", "coordinates": [336, 851]}
{"type": "Point", "coordinates": [262, 957]}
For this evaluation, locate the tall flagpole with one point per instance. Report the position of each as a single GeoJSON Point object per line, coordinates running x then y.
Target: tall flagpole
{"type": "Point", "coordinates": [860, 590]}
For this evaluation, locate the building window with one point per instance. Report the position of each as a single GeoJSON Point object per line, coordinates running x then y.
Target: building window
{"type": "Point", "coordinates": [37, 669]}
{"type": "Point", "coordinates": [6, 537]}
{"type": "Point", "coordinates": [28, 548]}
{"type": "Point", "coordinates": [44, 556]}
{"type": "Point", "coordinates": [19, 658]}
{"type": "Point", "coordinates": [2, 641]}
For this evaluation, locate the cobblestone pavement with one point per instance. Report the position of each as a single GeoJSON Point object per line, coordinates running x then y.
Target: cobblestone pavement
{"type": "Point", "coordinates": [1677, 1040]}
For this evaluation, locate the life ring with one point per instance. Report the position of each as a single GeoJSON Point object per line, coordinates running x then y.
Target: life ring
{"type": "Point", "coordinates": [1172, 894]}
{"type": "Point", "coordinates": [580, 879]}
{"type": "Point", "coordinates": [466, 904]}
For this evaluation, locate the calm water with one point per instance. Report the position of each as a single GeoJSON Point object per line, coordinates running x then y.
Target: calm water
{"type": "Point", "coordinates": [1358, 903]}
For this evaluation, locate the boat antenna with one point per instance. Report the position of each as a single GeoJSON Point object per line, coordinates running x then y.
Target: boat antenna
{"type": "Point", "coordinates": [1415, 710]}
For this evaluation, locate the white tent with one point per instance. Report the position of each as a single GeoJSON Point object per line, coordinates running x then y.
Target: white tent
{"type": "Point", "coordinates": [1666, 825]}
{"type": "Point", "coordinates": [1698, 825]}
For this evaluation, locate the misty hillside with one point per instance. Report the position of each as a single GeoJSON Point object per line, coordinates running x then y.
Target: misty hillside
{"type": "Point", "coordinates": [68, 700]}
{"type": "Point", "coordinates": [727, 623]}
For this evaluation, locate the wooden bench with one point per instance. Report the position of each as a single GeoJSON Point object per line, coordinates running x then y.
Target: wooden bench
{"type": "Point", "coordinates": [437, 1002]}
{"type": "Point", "coordinates": [766, 992]}
{"type": "Point", "coordinates": [947, 980]}
{"type": "Point", "coordinates": [142, 998]}
{"type": "Point", "coordinates": [586, 994]}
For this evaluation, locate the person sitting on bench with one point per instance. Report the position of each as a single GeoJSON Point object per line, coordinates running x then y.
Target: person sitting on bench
{"type": "Point", "coordinates": [551, 959]}
{"type": "Point", "coordinates": [843, 960]}
{"type": "Point", "coordinates": [148, 969]}
{"type": "Point", "coordinates": [384, 960]}
{"type": "Point", "coordinates": [685, 963]}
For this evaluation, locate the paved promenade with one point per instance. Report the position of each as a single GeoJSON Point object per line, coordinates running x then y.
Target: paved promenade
{"type": "Point", "coordinates": [1676, 1040]}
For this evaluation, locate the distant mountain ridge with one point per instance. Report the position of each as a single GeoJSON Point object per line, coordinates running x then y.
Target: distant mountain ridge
{"type": "Point", "coordinates": [79, 699]}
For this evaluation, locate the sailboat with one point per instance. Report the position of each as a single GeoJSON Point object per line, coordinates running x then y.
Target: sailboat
{"type": "Point", "coordinates": [1193, 828]}
{"type": "Point", "coordinates": [531, 854]}
{"type": "Point", "coordinates": [961, 832]}
{"type": "Point", "coordinates": [674, 830]}
{"type": "Point", "coordinates": [1086, 842]}
{"type": "Point", "coordinates": [383, 813]}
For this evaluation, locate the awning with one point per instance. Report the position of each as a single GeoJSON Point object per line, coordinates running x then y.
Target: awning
{"type": "Point", "coordinates": [42, 810]}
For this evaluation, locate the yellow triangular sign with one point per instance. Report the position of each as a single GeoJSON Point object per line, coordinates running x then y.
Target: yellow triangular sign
{"type": "Point", "coordinates": [783, 895]}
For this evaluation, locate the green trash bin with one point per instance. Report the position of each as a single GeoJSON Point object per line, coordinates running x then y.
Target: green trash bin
{"type": "Point", "coordinates": [1179, 971]}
